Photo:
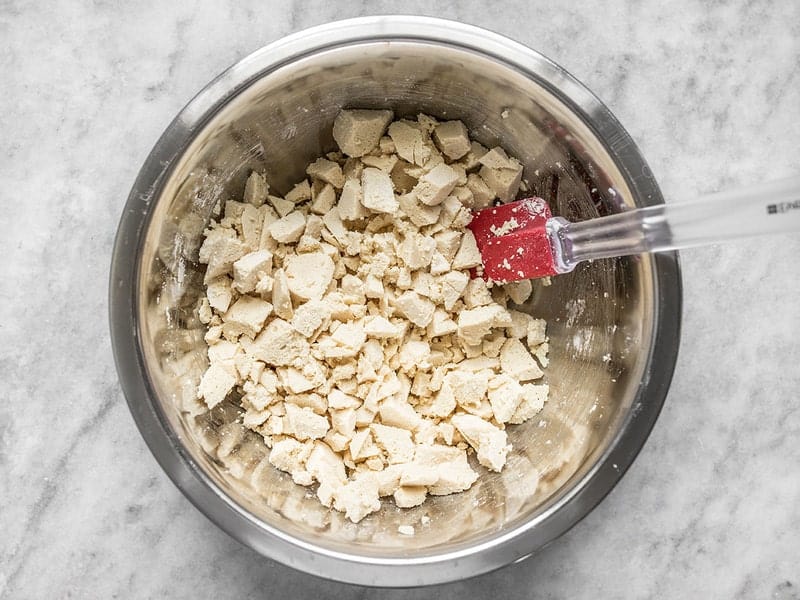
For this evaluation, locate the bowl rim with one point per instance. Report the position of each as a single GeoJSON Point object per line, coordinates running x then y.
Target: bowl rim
{"type": "Point", "coordinates": [163, 441]}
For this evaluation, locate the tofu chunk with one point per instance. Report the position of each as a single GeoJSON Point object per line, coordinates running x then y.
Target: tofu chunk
{"type": "Point", "coordinates": [309, 317]}
{"type": "Point", "coordinates": [304, 423]}
{"type": "Point", "coordinates": [324, 200]}
{"type": "Point", "coordinates": [505, 396]}
{"type": "Point", "coordinates": [468, 255]}
{"type": "Point", "coordinates": [519, 291]}
{"type": "Point", "coordinates": [490, 443]}
{"type": "Point", "coordinates": [256, 189]}
{"type": "Point", "coordinates": [501, 173]}
{"type": "Point", "coordinates": [281, 298]}
{"type": "Point", "coordinates": [250, 268]}
{"type": "Point", "coordinates": [475, 323]}
{"type": "Point", "coordinates": [453, 285]}
{"type": "Point", "coordinates": [309, 275]}
{"type": "Point", "coordinates": [378, 191]}
{"type": "Point", "coordinates": [301, 192]}
{"type": "Point", "coordinates": [215, 385]}
{"type": "Point", "coordinates": [533, 398]}
{"type": "Point", "coordinates": [290, 456]}
{"type": "Point", "coordinates": [219, 294]}
{"type": "Point", "coordinates": [516, 361]}
{"type": "Point", "coordinates": [246, 317]}
{"type": "Point", "coordinates": [409, 143]}
{"type": "Point", "coordinates": [288, 229]}
{"type": "Point", "coordinates": [351, 206]}
{"type": "Point", "coordinates": [395, 442]}
{"type": "Point", "coordinates": [279, 344]}
{"type": "Point", "coordinates": [435, 185]}
{"type": "Point", "coordinates": [380, 327]}
{"type": "Point", "coordinates": [452, 139]}
{"type": "Point", "coordinates": [358, 132]}
{"type": "Point", "coordinates": [327, 171]}
{"type": "Point", "coordinates": [358, 498]}
{"type": "Point", "coordinates": [415, 308]}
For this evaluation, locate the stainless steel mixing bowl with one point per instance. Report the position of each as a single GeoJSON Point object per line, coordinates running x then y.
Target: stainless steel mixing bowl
{"type": "Point", "coordinates": [613, 325]}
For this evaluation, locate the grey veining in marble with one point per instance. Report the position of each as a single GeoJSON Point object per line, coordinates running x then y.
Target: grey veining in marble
{"type": "Point", "coordinates": [711, 508]}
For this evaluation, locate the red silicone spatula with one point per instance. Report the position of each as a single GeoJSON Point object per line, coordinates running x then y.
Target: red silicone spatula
{"type": "Point", "coordinates": [522, 240]}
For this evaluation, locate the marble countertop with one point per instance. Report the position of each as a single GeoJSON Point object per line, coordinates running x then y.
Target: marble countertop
{"type": "Point", "coordinates": [710, 509]}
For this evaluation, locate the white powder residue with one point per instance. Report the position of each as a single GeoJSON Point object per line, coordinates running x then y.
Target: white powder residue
{"type": "Point", "coordinates": [575, 308]}
{"type": "Point", "coordinates": [505, 228]}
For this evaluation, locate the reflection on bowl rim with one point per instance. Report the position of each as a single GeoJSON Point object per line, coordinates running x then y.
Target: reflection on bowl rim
{"type": "Point", "coordinates": [497, 551]}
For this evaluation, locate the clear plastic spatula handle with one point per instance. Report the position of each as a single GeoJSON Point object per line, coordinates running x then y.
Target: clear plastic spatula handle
{"type": "Point", "coordinates": [764, 209]}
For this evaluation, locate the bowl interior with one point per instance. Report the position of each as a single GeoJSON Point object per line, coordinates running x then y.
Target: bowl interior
{"type": "Point", "coordinates": [600, 318]}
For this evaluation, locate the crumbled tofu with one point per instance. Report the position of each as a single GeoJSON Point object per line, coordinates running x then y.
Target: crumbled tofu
{"type": "Point", "coordinates": [541, 354]}
{"type": "Point", "coordinates": [453, 284]}
{"type": "Point", "coordinates": [358, 498]}
{"type": "Point", "coordinates": [350, 335]}
{"type": "Point", "coordinates": [343, 320]}
{"type": "Point", "coordinates": [399, 413]}
{"type": "Point", "coordinates": [482, 194]}
{"type": "Point", "coordinates": [477, 294]}
{"type": "Point", "coordinates": [252, 225]}
{"type": "Point", "coordinates": [451, 465]}
{"type": "Point", "coordinates": [441, 324]}
{"type": "Point", "coordinates": [377, 326]}
{"type": "Point", "coordinates": [469, 388]}
{"type": "Point", "coordinates": [377, 191]}
{"type": "Point", "coordinates": [416, 251]}
{"type": "Point", "coordinates": [219, 251]}
{"type": "Point", "coordinates": [452, 139]}
{"type": "Point", "coordinates": [439, 264]}
{"type": "Point", "coordinates": [290, 456]}
{"type": "Point", "coordinates": [357, 132]}
{"type": "Point", "coordinates": [408, 529]}
{"type": "Point", "coordinates": [373, 287]}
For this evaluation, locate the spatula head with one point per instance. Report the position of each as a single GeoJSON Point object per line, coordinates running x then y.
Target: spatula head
{"type": "Point", "coordinates": [513, 241]}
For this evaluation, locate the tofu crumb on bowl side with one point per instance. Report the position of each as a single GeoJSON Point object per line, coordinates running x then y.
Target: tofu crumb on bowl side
{"type": "Point", "coordinates": [343, 320]}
